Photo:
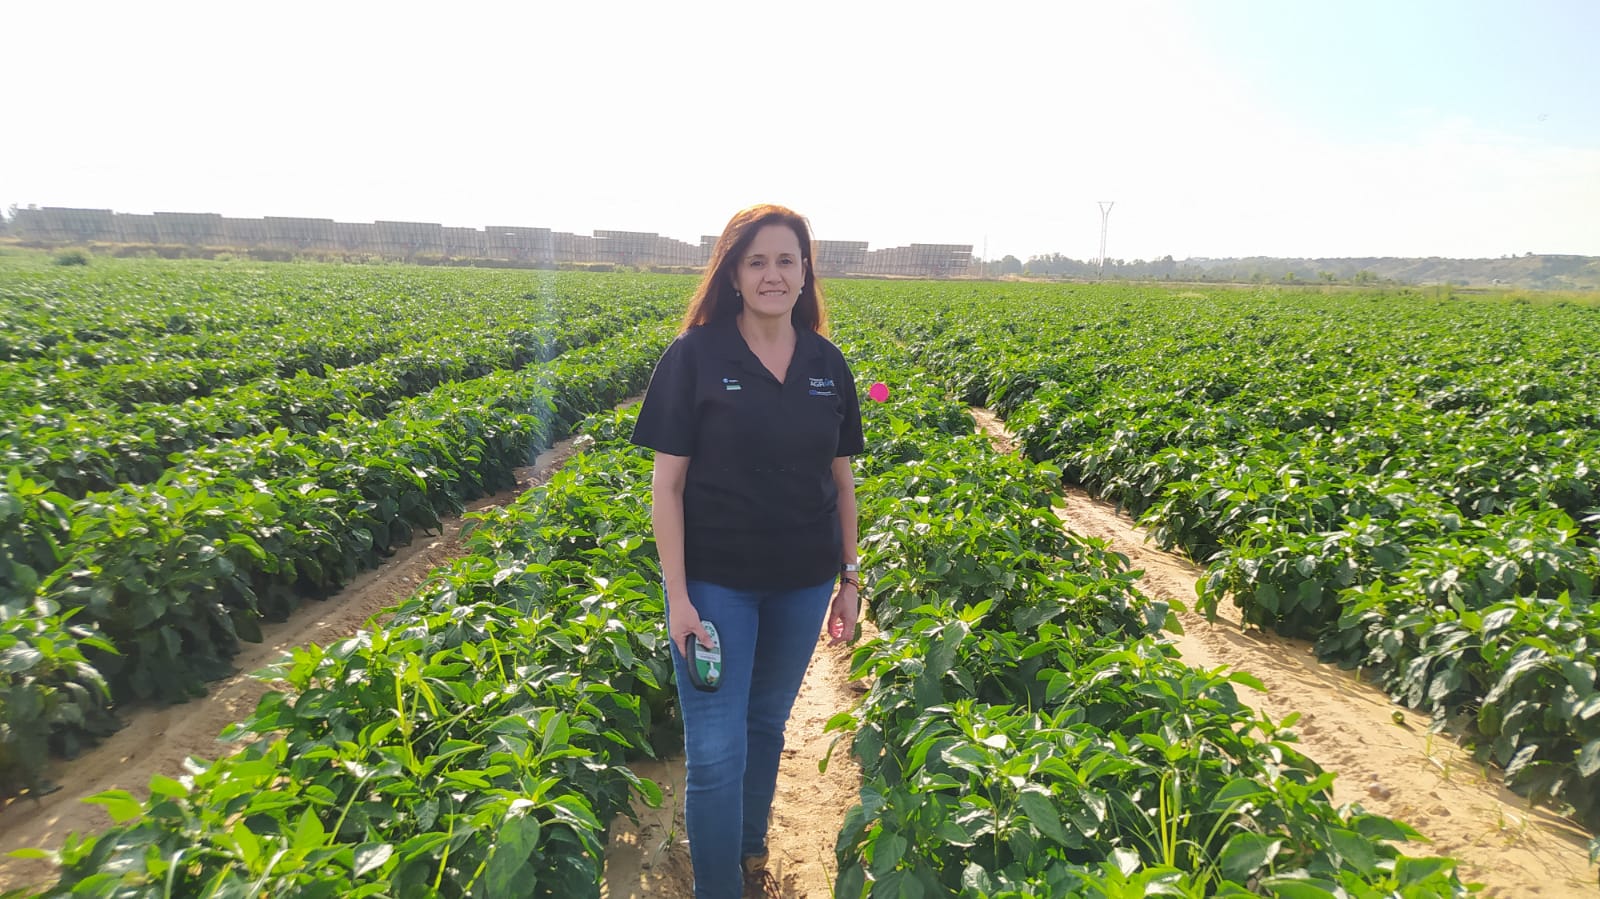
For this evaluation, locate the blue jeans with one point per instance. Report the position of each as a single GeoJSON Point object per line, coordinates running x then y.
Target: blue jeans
{"type": "Point", "coordinates": [734, 737]}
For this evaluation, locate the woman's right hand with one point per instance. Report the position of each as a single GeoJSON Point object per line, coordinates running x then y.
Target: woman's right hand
{"type": "Point", "coordinates": [683, 622]}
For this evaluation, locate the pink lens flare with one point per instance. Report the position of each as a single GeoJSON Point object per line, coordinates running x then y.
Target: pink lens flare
{"type": "Point", "coordinates": [879, 392]}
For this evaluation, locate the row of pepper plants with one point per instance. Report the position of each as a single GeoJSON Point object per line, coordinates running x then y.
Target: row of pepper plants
{"type": "Point", "coordinates": [1028, 732]}
{"type": "Point", "coordinates": [124, 333]}
{"type": "Point", "coordinates": [113, 311]}
{"type": "Point", "coordinates": [145, 591]}
{"type": "Point", "coordinates": [351, 317]}
{"type": "Point", "coordinates": [81, 447]}
{"type": "Point", "coordinates": [143, 332]}
{"type": "Point", "coordinates": [1411, 483]}
{"type": "Point", "coordinates": [474, 745]}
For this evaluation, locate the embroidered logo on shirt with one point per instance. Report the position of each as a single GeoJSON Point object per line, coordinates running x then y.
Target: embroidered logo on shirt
{"type": "Point", "coordinates": [822, 387]}
{"type": "Point", "coordinates": [731, 384]}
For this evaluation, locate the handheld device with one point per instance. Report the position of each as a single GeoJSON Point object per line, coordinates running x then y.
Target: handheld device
{"type": "Point", "coordinates": [705, 664]}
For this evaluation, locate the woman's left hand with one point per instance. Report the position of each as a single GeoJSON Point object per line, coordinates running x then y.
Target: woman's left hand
{"type": "Point", "coordinates": [843, 613]}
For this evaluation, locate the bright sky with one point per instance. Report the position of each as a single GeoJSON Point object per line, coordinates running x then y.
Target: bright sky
{"type": "Point", "coordinates": [1219, 127]}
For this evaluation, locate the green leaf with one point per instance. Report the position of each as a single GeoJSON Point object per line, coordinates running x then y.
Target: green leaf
{"type": "Point", "coordinates": [976, 879]}
{"type": "Point", "coordinates": [1246, 853]}
{"type": "Point", "coordinates": [1444, 684]}
{"type": "Point", "coordinates": [910, 886]}
{"type": "Point", "coordinates": [887, 850]}
{"type": "Point", "coordinates": [1042, 814]}
{"type": "Point", "coordinates": [19, 658]}
{"type": "Point", "coordinates": [1309, 596]}
{"type": "Point", "coordinates": [419, 846]}
{"type": "Point", "coordinates": [943, 653]}
{"type": "Point", "coordinates": [1237, 790]}
{"type": "Point", "coordinates": [1127, 861]}
{"type": "Point", "coordinates": [851, 883]}
{"type": "Point", "coordinates": [1589, 758]}
{"type": "Point", "coordinates": [1289, 887]}
{"type": "Point", "coordinates": [1580, 674]}
{"type": "Point", "coordinates": [1247, 679]}
{"type": "Point", "coordinates": [119, 804]}
{"type": "Point", "coordinates": [649, 789]}
{"type": "Point", "coordinates": [25, 579]}
{"type": "Point", "coordinates": [309, 833]}
{"type": "Point", "coordinates": [248, 843]}
{"type": "Point", "coordinates": [161, 785]}
{"type": "Point", "coordinates": [1377, 827]}
{"type": "Point", "coordinates": [1497, 620]}
{"type": "Point", "coordinates": [370, 857]}
{"type": "Point", "coordinates": [1411, 871]}
{"type": "Point", "coordinates": [247, 625]}
{"type": "Point", "coordinates": [953, 833]}
{"type": "Point", "coordinates": [1355, 849]}
{"type": "Point", "coordinates": [514, 844]}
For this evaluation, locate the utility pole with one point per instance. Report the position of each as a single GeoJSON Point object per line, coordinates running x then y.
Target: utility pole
{"type": "Point", "coordinates": [1105, 222]}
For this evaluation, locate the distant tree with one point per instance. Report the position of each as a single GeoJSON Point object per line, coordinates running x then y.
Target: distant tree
{"type": "Point", "coordinates": [1326, 276]}
{"type": "Point", "coordinates": [1010, 265]}
{"type": "Point", "coordinates": [1053, 264]}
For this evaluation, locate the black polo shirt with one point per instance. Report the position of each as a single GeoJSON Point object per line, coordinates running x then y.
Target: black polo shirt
{"type": "Point", "coordinates": [760, 507]}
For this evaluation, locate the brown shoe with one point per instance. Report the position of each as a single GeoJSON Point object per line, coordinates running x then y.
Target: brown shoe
{"type": "Point", "coordinates": [761, 885]}
{"type": "Point", "coordinates": [758, 881]}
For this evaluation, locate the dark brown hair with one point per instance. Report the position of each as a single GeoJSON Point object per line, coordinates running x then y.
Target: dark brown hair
{"type": "Point", "coordinates": [715, 297]}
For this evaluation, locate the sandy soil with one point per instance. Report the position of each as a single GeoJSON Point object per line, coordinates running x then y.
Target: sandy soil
{"type": "Point", "coordinates": [157, 740]}
{"type": "Point", "coordinates": [1347, 726]}
{"type": "Point", "coordinates": [651, 858]}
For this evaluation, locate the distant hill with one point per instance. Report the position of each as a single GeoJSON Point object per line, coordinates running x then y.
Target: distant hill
{"type": "Point", "coordinates": [1548, 272]}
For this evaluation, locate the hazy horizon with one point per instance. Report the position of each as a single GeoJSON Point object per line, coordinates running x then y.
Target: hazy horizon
{"type": "Point", "coordinates": [873, 245]}
{"type": "Point", "coordinates": [1233, 129]}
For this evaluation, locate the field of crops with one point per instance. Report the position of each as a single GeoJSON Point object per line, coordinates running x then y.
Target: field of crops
{"type": "Point", "coordinates": [191, 449]}
{"type": "Point", "coordinates": [1413, 483]}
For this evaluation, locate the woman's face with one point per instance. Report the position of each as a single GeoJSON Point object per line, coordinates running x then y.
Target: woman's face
{"type": "Point", "coordinates": [770, 275]}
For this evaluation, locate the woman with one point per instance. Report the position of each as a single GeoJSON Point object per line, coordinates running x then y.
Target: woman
{"type": "Point", "coordinates": [753, 416]}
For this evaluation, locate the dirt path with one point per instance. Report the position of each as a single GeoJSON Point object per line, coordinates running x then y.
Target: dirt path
{"type": "Point", "coordinates": [1347, 726]}
{"type": "Point", "coordinates": [157, 740]}
{"type": "Point", "coordinates": [651, 859]}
